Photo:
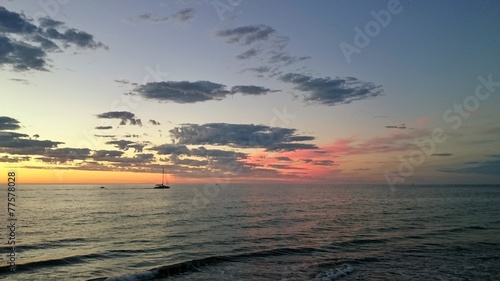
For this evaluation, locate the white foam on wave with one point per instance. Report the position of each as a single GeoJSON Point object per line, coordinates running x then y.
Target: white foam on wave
{"type": "Point", "coordinates": [141, 276]}
{"type": "Point", "coordinates": [334, 274]}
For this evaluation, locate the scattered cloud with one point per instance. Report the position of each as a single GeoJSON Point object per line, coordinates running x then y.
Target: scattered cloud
{"type": "Point", "coordinates": [284, 58]}
{"type": "Point", "coordinates": [23, 81]}
{"type": "Point", "coordinates": [153, 122]}
{"type": "Point", "coordinates": [99, 154]}
{"type": "Point", "coordinates": [104, 127]}
{"type": "Point", "coordinates": [250, 90]}
{"type": "Point", "coordinates": [441, 154]}
{"type": "Point", "coordinates": [401, 126]}
{"type": "Point", "coordinates": [183, 91]}
{"type": "Point", "coordinates": [124, 82]}
{"type": "Point", "coordinates": [246, 35]}
{"type": "Point", "coordinates": [124, 116]}
{"type": "Point", "coordinates": [70, 37]}
{"type": "Point", "coordinates": [183, 15]}
{"type": "Point", "coordinates": [323, 162]}
{"type": "Point", "coordinates": [166, 149]}
{"type": "Point", "coordinates": [253, 52]}
{"type": "Point", "coordinates": [63, 155]}
{"type": "Point", "coordinates": [148, 17]}
{"type": "Point", "coordinates": [8, 159]}
{"type": "Point", "coordinates": [121, 144]}
{"type": "Point", "coordinates": [242, 136]}
{"type": "Point", "coordinates": [8, 123]}
{"type": "Point", "coordinates": [259, 70]}
{"type": "Point", "coordinates": [179, 17]}
{"type": "Point", "coordinates": [24, 45]}
{"type": "Point", "coordinates": [328, 91]}
{"type": "Point", "coordinates": [192, 92]}
{"type": "Point", "coordinates": [17, 143]}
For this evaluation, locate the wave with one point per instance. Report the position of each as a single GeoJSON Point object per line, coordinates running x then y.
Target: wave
{"type": "Point", "coordinates": [53, 262]}
{"type": "Point", "coordinates": [198, 264]}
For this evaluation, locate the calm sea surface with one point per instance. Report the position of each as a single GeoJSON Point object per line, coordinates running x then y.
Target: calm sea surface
{"type": "Point", "coordinates": [254, 232]}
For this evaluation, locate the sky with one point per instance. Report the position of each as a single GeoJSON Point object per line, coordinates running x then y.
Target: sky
{"type": "Point", "coordinates": [338, 92]}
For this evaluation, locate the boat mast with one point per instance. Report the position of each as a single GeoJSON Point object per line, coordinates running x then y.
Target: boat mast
{"type": "Point", "coordinates": [162, 176]}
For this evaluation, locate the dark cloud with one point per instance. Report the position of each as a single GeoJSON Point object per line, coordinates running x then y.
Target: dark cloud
{"type": "Point", "coordinates": [99, 154]}
{"type": "Point", "coordinates": [156, 123]}
{"type": "Point", "coordinates": [241, 135]}
{"type": "Point", "coordinates": [192, 92]}
{"type": "Point", "coordinates": [248, 54]}
{"type": "Point", "coordinates": [148, 17]}
{"type": "Point", "coordinates": [285, 59]}
{"type": "Point", "coordinates": [18, 140]}
{"type": "Point", "coordinates": [487, 167]}
{"type": "Point", "coordinates": [246, 35]}
{"type": "Point", "coordinates": [8, 159]}
{"type": "Point", "coordinates": [12, 22]}
{"type": "Point", "coordinates": [165, 149]}
{"type": "Point", "coordinates": [124, 82]}
{"type": "Point", "coordinates": [21, 56]}
{"type": "Point", "coordinates": [250, 90]}
{"type": "Point", "coordinates": [137, 122]}
{"type": "Point", "coordinates": [21, 144]}
{"type": "Point", "coordinates": [441, 154]}
{"type": "Point", "coordinates": [323, 162]}
{"type": "Point", "coordinates": [330, 91]}
{"type": "Point", "coordinates": [187, 161]}
{"type": "Point", "coordinates": [63, 155]}
{"type": "Point", "coordinates": [124, 116]}
{"type": "Point", "coordinates": [401, 126]}
{"type": "Point", "coordinates": [105, 136]}
{"type": "Point", "coordinates": [8, 123]}
{"type": "Point", "coordinates": [104, 127]}
{"type": "Point", "coordinates": [146, 156]}
{"type": "Point", "coordinates": [75, 37]}
{"type": "Point", "coordinates": [138, 147]}
{"type": "Point", "coordinates": [217, 153]}
{"type": "Point", "coordinates": [183, 91]}
{"type": "Point", "coordinates": [259, 70]}
{"type": "Point", "coordinates": [183, 15]}
{"type": "Point", "coordinates": [23, 81]}
{"type": "Point", "coordinates": [131, 136]}
{"type": "Point", "coordinates": [24, 45]}
{"type": "Point", "coordinates": [121, 144]}
{"type": "Point", "coordinates": [48, 22]}
{"type": "Point", "coordinates": [116, 115]}
{"type": "Point", "coordinates": [46, 44]}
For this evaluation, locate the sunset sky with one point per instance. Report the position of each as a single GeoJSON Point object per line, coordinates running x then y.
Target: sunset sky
{"type": "Point", "coordinates": [395, 92]}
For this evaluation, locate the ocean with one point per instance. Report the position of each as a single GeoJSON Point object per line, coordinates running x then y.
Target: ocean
{"type": "Point", "coordinates": [253, 232]}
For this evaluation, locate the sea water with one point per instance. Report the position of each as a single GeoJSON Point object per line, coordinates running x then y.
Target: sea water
{"type": "Point", "coordinates": [254, 232]}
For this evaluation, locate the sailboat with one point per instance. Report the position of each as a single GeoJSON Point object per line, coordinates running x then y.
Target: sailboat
{"type": "Point", "coordinates": [162, 185]}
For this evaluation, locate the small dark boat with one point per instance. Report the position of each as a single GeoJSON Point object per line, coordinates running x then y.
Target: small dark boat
{"type": "Point", "coordinates": [162, 185]}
